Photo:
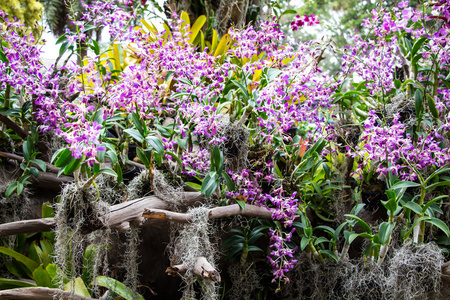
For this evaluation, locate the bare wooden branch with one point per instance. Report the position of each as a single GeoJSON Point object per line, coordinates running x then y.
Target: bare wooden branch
{"type": "Point", "coordinates": [214, 213]}
{"type": "Point", "coordinates": [14, 126]}
{"type": "Point", "coordinates": [120, 216]}
{"type": "Point", "coordinates": [27, 226]}
{"type": "Point", "coordinates": [136, 213]}
{"type": "Point", "coordinates": [202, 268]}
{"type": "Point", "coordinates": [39, 293]}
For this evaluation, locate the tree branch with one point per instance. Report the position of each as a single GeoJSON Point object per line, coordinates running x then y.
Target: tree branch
{"type": "Point", "coordinates": [214, 213]}
{"type": "Point", "coordinates": [11, 124]}
{"type": "Point", "coordinates": [120, 217]}
{"type": "Point", "coordinates": [202, 268]}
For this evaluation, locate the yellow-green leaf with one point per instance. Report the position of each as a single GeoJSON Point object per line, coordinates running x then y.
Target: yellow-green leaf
{"type": "Point", "coordinates": [222, 46]}
{"type": "Point", "coordinates": [197, 27]}
{"type": "Point", "coordinates": [78, 287]}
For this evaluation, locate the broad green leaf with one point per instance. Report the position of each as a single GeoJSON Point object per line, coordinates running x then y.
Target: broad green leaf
{"type": "Point", "coordinates": [155, 144]}
{"type": "Point", "coordinates": [73, 166]}
{"type": "Point", "coordinates": [232, 241]}
{"type": "Point", "coordinates": [304, 242]}
{"type": "Point", "coordinates": [230, 184]}
{"type": "Point", "coordinates": [418, 100]}
{"type": "Point", "coordinates": [29, 263]}
{"type": "Point", "coordinates": [440, 224]}
{"type": "Point", "coordinates": [431, 202]}
{"type": "Point", "coordinates": [7, 283]}
{"type": "Point", "coordinates": [417, 44]}
{"type": "Point", "coordinates": [432, 107]}
{"type": "Point", "coordinates": [196, 27]}
{"type": "Point", "coordinates": [143, 157]}
{"type": "Point", "coordinates": [384, 232]}
{"type": "Point", "coordinates": [108, 171]}
{"type": "Point", "coordinates": [210, 184]}
{"type": "Point", "coordinates": [217, 157]}
{"type": "Point", "coordinates": [117, 287]}
{"type": "Point", "coordinates": [414, 207]}
{"type": "Point", "coordinates": [64, 159]}
{"type": "Point", "coordinates": [193, 185]}
{"type": "Point", "coordinates": [404, 184]}
{"type": "Point", "coordinates": [41, 164]}
{"type": "Point", "coordinates": [135, 134]}
{"type": "Point", "coordinates": [42, 278]}
{"type": "Point", "coordinates": [78, 287]}
{"type": "Point", "coordinates": [241, 204]}
{"type": "Point", "coordinates": [361, 223]}
{"type": "Point", "coordinates": [330, 254]}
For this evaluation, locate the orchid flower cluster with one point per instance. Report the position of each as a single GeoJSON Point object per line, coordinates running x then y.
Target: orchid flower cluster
{"type": "Point", "coordinates": [396, 147]}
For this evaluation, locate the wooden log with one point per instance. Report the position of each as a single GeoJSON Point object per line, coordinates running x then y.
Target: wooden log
{"type": "Point", "coordinates": [39, 293]}
{"type": "Point", "coordinates": [214, 213]}
{"type": "Point", "coordinates": [120, 216]}
{"type": "Point", "coordinates": [202, 268]}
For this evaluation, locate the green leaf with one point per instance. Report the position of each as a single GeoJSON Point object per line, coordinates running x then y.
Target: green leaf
{"type": "Point", "coordinates": [242, 88]}
{"type": "Point", "coordinates": [73, 166]}
{"type": "Point", "coordinates": [241, 204]}
{"type": "Point", "coordinates": [47, 210]}
{"type": "Point", "coordinates": [217, 157]}
{"type": "Point", "coordinates": [155, 144]}
{"type": "Point", "coordinates": [384, 232]}
{"type": "Point", "coordinates": [63, 48]}
{"type": "Point", "coordinates": [6, 283]}
{"type": "Point", "coordinates": [88, 263]}
{"type": "Point", "coordinates": [117, 287]}
{"type": "Point", "coordinates": [404, 184]}
{"type": "Point", "coordinates": [30, 264]}
{"type": "Point", "coordinates": [210, 184]}
{"type": "Point", "coordinates": [440, 224]}
{"type": "Point", "coordinates": [304, 242]}
{"type": "Point", "coordinates": [143, 157]}
{"type": "Point", "coordinates": [40, 163]}
{"type": "Point", "coordinates": [42, 278]}
{"type": "Point", "coordinates": [135, 134]}
{"type": "Point", "coordinates": [417, 44]}
{"type": "Point", "coordinates": [273, 73]}
{"type": "Point", "coordinates": [232, 241]}
{"type": "Point", "coordinates": [235, 249]}
{"type": "Point", "coordinates": [432, 106]}
{"type": "Point", "coordinates": [437, 184]}
{"type": "Point", "coordinates": [230, 184]}
{"type": "Point", "coordinates": [11, 188]}
{"type": "Point", "coordinates": [431, 202]}
{"type": "Point", "coordinates": [254, 248]}
{"type": "Point", "coordinates": [414, 207]}
{"type": "Point", "coordinates": [418, 100]}
{"type": "Point", "coordinates": [61, 39]}
{"type": "Point", "coordinates": [78, 287]}
{"type": "Point", "coordinates": [390, 204]}
{"type": "Point", "coordinates": [108, 171]}
{"type": "Point", "coordinates": [330, 254]}
{"type": "Point", "coordinates": [64, 159]}
{"type": "Point", "coordinates": [361, 223]}
{"type": "Point", "coordinates": [195, 186]}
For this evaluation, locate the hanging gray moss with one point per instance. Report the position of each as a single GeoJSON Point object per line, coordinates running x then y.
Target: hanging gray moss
{"type": "Point", "coordinates": [132, 259]}
{"type": "Point", "coordinates": [245, 281]}
{"type": "Point", "coordinates": [193, 241]}
{"type": "Point", "coordinates": [77, 213]}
